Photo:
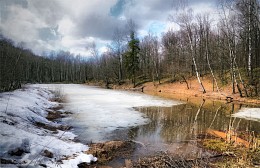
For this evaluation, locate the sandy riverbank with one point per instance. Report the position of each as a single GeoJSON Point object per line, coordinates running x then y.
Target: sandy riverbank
{"type": "Point", "coordinates": [178, 90]}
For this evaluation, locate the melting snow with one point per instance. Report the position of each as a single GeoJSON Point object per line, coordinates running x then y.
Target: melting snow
{"type": "Point", "coordinates": [248, 113]}
{"type": "Point", "coordinates": [19, 110]}
{"type": "Point", "coordinates": [98, 112]}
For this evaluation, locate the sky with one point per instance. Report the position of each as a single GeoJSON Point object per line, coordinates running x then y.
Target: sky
{"type": "Point", "coordinates": [71, 25]}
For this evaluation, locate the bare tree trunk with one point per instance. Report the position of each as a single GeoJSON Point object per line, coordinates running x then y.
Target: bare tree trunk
{"type": "Point", "coordinates": [194, 62]}
{"type": "Point", "coordinates": [120, 73]}
{"type": "Point", "coordinates": [183, 77]}
{"type": "Point", "coordinates": [207, 56]}
{"type": "Point", "coordinates": [13, 72]}
{"type": "Point", "coordinates": [249, 42]}
{"type": "Point", "coordinates": [231, 54]}
{"type": "Point", "coordinates": [241, 80]}
{"type": "Point", "coordinates": [238, 88]}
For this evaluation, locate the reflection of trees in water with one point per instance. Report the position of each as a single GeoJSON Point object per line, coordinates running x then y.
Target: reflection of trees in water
{"type": "Point", "coordinates": [194, 130]}
{"type": "Point", "coordinates": [215, 117]}
{"type": "Point", "coordinates": [187, 121]}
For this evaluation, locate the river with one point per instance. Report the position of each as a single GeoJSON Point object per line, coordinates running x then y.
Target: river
{"type": "Point", "coordinates": [100, 115]}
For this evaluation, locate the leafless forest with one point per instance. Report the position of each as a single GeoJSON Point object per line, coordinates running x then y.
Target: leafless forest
{"type": "Point", "coordinates": [226, 49]}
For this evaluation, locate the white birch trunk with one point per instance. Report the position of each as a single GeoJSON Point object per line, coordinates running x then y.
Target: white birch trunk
{"type": "Point", "coordinates": [194, 62]}
{"type": "Point", "coordinates": [207, 56]}
{"type": "Point", "coordinates": [249, 41]}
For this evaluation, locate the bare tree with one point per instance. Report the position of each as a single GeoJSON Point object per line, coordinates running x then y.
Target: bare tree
{"type": "Point", "coordinates": [150, 57]}
{"type": "Point", "coordinates": [92, 48]}
{"type": "Point", "coordinates": [185, 20]}
{"type": "Point", "coordinates": [204, 25]}
{"type": "Point", "coordinates": [118, 46]}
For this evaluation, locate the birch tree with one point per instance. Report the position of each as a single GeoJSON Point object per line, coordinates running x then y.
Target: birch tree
{"type": "Point", "coordinates": [204, 23]}
{"type": "Point", "coordinates": [185, 20]}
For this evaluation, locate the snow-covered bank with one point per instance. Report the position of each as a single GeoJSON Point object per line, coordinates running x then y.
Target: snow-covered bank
{"type": "Point", "coordinates": [25, 144]}
{"type": "Point", "coordinates": [248, 114]}
{"type": "Point", "coordinates": [98, 111]}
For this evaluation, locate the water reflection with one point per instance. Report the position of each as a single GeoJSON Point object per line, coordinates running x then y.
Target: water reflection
{"type": "Point", "coordinates": [175, 129]}
{"type": "Point", "coordinates": [187, 121]}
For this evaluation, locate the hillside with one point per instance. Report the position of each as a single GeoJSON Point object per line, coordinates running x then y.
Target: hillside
{"type": "Point", "coordinates": [179, 90]}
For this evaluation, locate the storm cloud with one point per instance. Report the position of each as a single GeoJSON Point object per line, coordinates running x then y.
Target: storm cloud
{"type": "Point", "coordinates": [46, 25]}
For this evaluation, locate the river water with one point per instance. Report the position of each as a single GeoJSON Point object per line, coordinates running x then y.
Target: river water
{"type": "Point", "coordinates": [98, 113]}
{"type": "Point", "coordinates": [159, 124]}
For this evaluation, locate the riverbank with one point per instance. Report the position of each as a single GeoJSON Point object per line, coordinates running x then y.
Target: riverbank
{"type": "Point", "coordinates": [31, 134]}
{"type": "Point", "coordinates": [178, 90]}
{"type": "Point", "coordinates": [121, 154]}
{"type": "Point", "coordinates": [225, 153]}
{"type": "Point", "coordinates": [214, 152]}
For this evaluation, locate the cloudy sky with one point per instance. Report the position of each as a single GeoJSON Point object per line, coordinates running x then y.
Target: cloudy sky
{"type": "Point", "coordinates": [45, 25]}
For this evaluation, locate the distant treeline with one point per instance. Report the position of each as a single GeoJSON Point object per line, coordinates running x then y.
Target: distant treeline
{"type": "Point", "coordinates": [228, 51]}
{"type": "Point", "coordinates": [19, 66]}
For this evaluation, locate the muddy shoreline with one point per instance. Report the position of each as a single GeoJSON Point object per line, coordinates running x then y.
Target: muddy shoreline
{"type": "Point", "coordinates": [119, 154]}
{"type": "Point", "coordinates": [178, 90]}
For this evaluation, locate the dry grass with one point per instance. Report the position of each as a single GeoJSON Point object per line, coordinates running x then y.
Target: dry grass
{"type": "Point", "coordinates": [238, 156]}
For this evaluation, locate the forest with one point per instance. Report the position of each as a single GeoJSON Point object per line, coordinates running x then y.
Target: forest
{"type": "Point", "coordinates": [226, 49]}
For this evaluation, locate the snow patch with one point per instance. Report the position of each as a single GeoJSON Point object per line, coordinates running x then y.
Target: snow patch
{"type": "Point", "coordinates": [98, 111]}
{"type": "Point", "coordinates": [77, 160]}
{"type": "Point", "coordinates": [24, 143]}
{"type": "Point", "coordinates": [248, 114]}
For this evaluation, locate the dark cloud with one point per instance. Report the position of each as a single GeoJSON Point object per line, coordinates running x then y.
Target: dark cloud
{"type": "Point", "coordinates": [64, 24]}
{"type": "Point", "coordinates": [31, 22]}
{"type": "Point", "coordinates": [50, 11]}
{"type": "Point", "coordinates": [201, 1]}
{"type": "Point", "coordinates": [118, 8]}
{"type": "Point", "coordinates": [5, 4]}
{"type": "Point", "coordinates": [99, 26]}
{"type": "Point", "coordinates": [164, 6]}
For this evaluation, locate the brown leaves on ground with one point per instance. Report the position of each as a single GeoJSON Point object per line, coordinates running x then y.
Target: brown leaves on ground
{"type": "Point", "coordinates": [165, 160]}
{"type": "Point", "coordinates": [107, 151]}
{"type": "Point", "coordinates": [52, 128]}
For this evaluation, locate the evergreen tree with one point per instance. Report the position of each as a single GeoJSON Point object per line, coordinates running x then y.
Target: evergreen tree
{"type": "Point", "coordinates": [132, 58]}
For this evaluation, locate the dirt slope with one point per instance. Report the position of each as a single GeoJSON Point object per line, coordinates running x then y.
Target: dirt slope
{"type": "Point", "coordinates": [178, 90]}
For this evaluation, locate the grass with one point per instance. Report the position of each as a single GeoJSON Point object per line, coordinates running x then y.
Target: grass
{"type": "Point", "coordinates": [216, 145]}
{"type": "Point", "coordinates": [239, 156]}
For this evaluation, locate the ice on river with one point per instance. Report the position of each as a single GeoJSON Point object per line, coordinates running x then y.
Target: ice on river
{"type": "Point", "coordinates": [97, 111]}
{"type": "Point", "coordinates": [23, 143]}
{"type": "Point", "coordinates": [248, 114]}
